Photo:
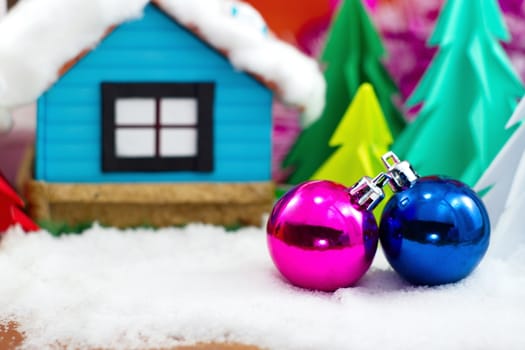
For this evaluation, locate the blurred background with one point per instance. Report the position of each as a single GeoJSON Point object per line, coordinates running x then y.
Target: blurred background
{"type": "Point", "coordinates": [404, 25]}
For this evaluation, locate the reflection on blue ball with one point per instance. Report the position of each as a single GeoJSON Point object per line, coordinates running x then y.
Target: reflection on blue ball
{"type": "Point", "coordinates": [435, 232]}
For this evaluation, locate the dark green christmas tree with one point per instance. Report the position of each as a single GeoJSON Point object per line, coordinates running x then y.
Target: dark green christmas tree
{"type": "Point", "coordinates": [467, 94]}
{"type": "Point", "coordinates": [352, 56]}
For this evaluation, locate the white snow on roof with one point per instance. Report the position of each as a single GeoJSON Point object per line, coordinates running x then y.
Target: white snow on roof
{"type": "Point", "coordinates": [38, 36]}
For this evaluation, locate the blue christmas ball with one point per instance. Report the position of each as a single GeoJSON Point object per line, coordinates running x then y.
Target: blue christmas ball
{"type": "Point", "coordinates": [434, 232]}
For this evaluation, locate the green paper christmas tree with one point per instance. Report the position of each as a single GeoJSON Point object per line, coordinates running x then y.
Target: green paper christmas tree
{"type": "Point", "coordinates": [468, 92]}
{"type": "Point", "coordinates": [361, 138]}
{"type": "Point", "coordinates": [352, 56]}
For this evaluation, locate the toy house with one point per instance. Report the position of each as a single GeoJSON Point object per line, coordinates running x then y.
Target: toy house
{"type": "Point", "coordinates": [151, 113]}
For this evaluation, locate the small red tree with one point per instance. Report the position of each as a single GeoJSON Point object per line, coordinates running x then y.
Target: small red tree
{"type": "Point", "coordinates": [11, 209]}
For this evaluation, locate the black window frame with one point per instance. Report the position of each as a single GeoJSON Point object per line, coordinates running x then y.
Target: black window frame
{"type": "Point", "coordinates": [203, 92]}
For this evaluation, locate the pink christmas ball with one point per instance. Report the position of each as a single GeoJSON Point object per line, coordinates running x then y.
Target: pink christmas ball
{"type": "Point", "coordinates": [319, 238]}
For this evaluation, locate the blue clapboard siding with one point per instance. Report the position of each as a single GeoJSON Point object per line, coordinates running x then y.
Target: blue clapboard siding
{"type": "Point", "coordinates": [152, 49]}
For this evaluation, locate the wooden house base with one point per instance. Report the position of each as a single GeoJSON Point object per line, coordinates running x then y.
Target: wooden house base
{"type": "Point", "coordinates": [157, 205]}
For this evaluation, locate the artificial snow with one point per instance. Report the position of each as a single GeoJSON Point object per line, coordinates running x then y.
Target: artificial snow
{"type": "Point", "coordinates": [142, 288]}
{"type": "Point", "coordinates": [38, 37]}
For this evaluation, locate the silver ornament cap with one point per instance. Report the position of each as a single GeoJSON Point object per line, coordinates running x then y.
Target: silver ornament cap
{"type": "Point", "coordinates": [401, 173]}
{"type": "Point", "coordinates": [368, 192]}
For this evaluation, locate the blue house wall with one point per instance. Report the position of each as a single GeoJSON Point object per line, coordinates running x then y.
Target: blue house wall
{"type": "Point", "coordinates": [152, 49]}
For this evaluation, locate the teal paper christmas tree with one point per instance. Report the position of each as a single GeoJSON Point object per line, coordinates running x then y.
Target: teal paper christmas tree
{"type": "Point", "coordinates": [468, 93]}
{"type": "Point", "coordinates": [352, 56]}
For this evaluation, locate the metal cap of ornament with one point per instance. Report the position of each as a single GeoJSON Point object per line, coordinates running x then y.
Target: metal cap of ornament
{"type": "Point", "coordinates": [401, 173]}
{"type": "Point", "coordinates": [368, 192]}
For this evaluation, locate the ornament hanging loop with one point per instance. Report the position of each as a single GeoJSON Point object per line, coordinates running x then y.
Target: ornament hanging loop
{"type": "Point", "coordinates": [368, 192]}
{"type": "Point", "coordinates": [401, 173]}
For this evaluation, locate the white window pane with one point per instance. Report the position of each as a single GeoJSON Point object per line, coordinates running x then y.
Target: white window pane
{"type": "Point", "coordinates": [178, 111]}
{"type": "Point", "coordinates": [135, 111]}
{"type": "Point", "coordinates": [178, 142]}
{"type": "Point", "coordinates": [135, 142]}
